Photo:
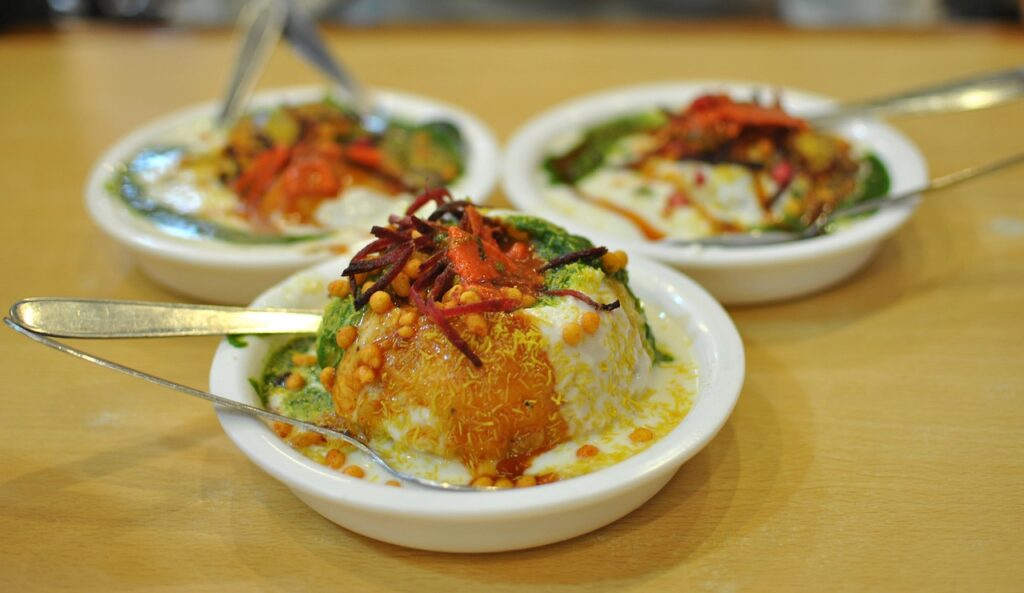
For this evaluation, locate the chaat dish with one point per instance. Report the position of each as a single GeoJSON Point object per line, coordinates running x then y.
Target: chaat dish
{"type": "Point", "coordinates": [718, 165]}
{"type": "Point", "coordinates": [292, 173]}
{"type": "Point", "coordinates": [484, 348]}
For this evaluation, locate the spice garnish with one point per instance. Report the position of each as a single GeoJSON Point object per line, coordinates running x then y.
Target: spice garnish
{"type": "Point", "coordinates": [579, 295]}
{"type": "Point", "coordinates": [456, 244]}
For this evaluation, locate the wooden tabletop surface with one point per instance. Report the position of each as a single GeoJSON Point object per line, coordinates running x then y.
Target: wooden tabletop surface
{"type": "Point", "coordinates": [877, 444]}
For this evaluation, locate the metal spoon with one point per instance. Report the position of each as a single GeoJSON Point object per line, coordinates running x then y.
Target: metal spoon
{"type": "Point", "coordinates": [301, 32]}
{"type": "Point", "coordinates": [260, 24]}
{"type": "Point", "coordinates": [28, 310]}
{"type": "Point", "coordinates": [977, 92]}
{"type": "Point", "coordinates": [99, 318]}
{"type": "Point", "coordinates": [821, 224]}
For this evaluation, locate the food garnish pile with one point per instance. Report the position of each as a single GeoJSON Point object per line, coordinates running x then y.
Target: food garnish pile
{"type": "Point", "coordinates": [483, 341]}
{"type": "Point", "coordinates": [717, 166]}
{"type": "Point", "coordinates": [267, 178]}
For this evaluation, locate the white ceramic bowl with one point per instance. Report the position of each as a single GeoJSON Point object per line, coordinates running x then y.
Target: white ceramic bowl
{"type": "Point", "coordinates": [491, 521]}
{"type": "Point", "coordinates": [216, 271]}
{"type": "Point", "coordinates": [733, 275]}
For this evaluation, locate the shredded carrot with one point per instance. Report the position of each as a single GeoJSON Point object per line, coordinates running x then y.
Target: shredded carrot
{"type": "Point", "coordinates": [311, 177]}
{"type": "Point", "coordinates": [364, 154]}
{"type": "Point", "coordinates": [258, 178]}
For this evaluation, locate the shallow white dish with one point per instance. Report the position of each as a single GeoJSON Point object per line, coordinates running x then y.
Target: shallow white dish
{"type": "Point", "coordinates": [490, 521]}
{"type": "Point", "coordinates": [217, 271]}
{"type": "Point", "coordinates": [733, 275]}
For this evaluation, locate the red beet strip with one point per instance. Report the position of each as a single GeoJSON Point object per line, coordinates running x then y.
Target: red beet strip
{"type": "Point", "coordinates": [436, 194]}
{"type": "Point", "coordinates": [392, 234]}
{"type": "Point", "coordinates": [448, 208]}
{"type": "Point", "coordinates": [442, 282]}
{"type": "Point", "coordinates": [372, 247]}
{"type": "Point", "coordinates": [568, 258]}
{"type": "Point", "coordinates": [385, 280]}
{"type": "Point", "coordinates": [429, 270]}
{"type": "Point", "coordinates": [427, 307]}
{"type": "Point", "coordinates": [376, 263]}
{"type": "Point", "coordinates": [579, 295]}
{"type": "Point", "coordinates": [491, 306]}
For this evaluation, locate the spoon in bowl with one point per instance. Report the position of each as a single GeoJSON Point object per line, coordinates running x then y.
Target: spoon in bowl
{"type": "Point", "coordinates": [976, 92]}
{"type": "Point", "coordinates": [260, 24]}
{"type": "Point", "coordinates": [21, 321]}
{"type": "Point", "coordinates": [822, 224]}
{"type": "Point", "coordinates": [301, 32]}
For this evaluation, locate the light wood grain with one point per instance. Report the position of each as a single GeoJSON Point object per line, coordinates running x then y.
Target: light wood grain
{"type": "Point", "coordinates": [876, 445]}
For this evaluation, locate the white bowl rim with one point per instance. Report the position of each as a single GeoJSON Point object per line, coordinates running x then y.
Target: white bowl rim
{"type": "Point", "coordinates": [523, 150]}
{"type": "Point", "coordinates": [715, 401]}
{"type": "Point", "coordinates": [478, 180]}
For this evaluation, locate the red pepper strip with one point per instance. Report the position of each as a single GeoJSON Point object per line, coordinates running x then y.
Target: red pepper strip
{"type": "Point", "coordinates": [568, 258]}
{"type": "Point", "coordinates": [427, 307]}
{"type": "Point", "coordinates": [435, 194]}
{"type": "Point", "coordinates": [491, 306]}
{"type": "Point", "coordinates": [385, 280]}
{"type": "Point", "coordinates": [364, 154]}
{"type": "Point", "coordinates": [579, 295]}
{"type": "Point", "coordinates": [376, 263]}
{"type": "Point", "coordinates": [755, 115]}
{"type": "Point", "coordinates": [258, 178]}
{"type": "Point", "coordinates": [519, 251]}
{"type": "Point", "coordinates": [310, 177]}
{"type": "Point", "coordinates": [707, 102]}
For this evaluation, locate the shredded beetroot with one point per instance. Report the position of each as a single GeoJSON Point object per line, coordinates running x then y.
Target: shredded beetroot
{"type": "Point", "coordinates": [385, 280]}
{"type": "Point", "coordinates": [429, 270]}
{"type": "Point", "coordinates": [580, 296]}
{"type": "Point", "coordinates": [442, 282]}
{"type": "Point", "coordinates": [422, 226]}
{"type": "Point", "coordinates": [568, 258]}
{"type": "Point", "coordinates": [396, 244]}
{"type": "Point", "coordinates": [434, 194]}
{"type": "Point", "coordinates": [457, 207]}
{"type": "Point", "coordinates": [376, 263]}
{"type": "Point", "coordinates": [491, 306]}
{"type": "Point", "coordinates": [373, 247]}
{"type": "Point", "coordinates": [430, 310]}
{"type": "Point", "coordinates": [386, 233]}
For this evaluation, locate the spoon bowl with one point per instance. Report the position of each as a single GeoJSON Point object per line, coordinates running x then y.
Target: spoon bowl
{"type": "Point", "coordinates": [822, 224]}
{"type": "Point", "coordinates": [236, 406]}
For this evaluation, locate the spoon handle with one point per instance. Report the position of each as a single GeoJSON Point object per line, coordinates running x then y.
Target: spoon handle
{"type": "Point", "coordinates": [935, 184]}
{"type": "Point", "coordinates": [301, 32]}
{"type": "Point", "coordinates": [204, 395]}
{"type": "Point", "coordinates": [89, 318]}
{"type": "Point", "coordinates": [260, 25]}
{"type": "Point", "coordinates": [235, 406]}
{"type": "Point", "coordinates": [977, 92]}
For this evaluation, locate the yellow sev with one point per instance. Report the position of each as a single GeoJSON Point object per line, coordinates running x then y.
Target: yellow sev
{"type": "Point", "coordinates": [493, 419]}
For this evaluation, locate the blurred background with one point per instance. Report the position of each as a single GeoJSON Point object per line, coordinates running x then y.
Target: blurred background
{"type": "Point", "coordinates": [370, 13]}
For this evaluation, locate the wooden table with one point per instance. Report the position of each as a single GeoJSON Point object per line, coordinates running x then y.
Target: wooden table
{"type": "Point", "coordinates": [876, 445]}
